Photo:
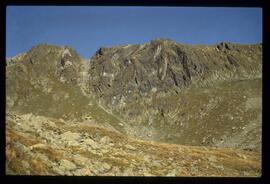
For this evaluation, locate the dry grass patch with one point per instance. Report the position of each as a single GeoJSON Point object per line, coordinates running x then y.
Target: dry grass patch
{"type": "Point", "coordinates": [53, 154]}
{"type": "Point", "coordinates": [16, 166]}
{"type": "Point", "coordinates": [119, 162]}
{"type": "Point", "coordinates": [39, 168]}
{"type": "Point", "coordinates": [14, 136]}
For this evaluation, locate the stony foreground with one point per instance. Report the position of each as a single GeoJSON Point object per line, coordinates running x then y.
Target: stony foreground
{"type": "Point", "coordinates": [36, 145]}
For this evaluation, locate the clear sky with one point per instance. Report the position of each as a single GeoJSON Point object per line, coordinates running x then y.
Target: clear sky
{"type": "Point", "coordinates": [88, 28]}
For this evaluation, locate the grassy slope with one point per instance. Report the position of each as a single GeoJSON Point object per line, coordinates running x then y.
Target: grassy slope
{"type": "Point", "coordinates": [63, 101]}
{"type": "Point", "coordinates": [206, 115]}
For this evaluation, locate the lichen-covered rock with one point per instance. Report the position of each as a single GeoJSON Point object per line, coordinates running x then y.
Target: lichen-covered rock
{"type": "Point", "coordinates": [91, 143]}
{"type": "Point", "coordinates": [105, 140]}
{"type": "Point", "coordinates": [70, 136]}
{"type": "Point", "coordinates": [67, 165]}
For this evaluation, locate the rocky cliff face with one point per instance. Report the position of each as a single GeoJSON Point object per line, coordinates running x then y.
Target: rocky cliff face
{"type": "Point", "coordinates": [149, 86]}
{"type": "Point", "coordinates": [195, 95]}
{"type": "Point", "coordinates": [162, 66]}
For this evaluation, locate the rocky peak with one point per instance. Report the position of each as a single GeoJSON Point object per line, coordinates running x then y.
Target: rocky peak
{"type": "Point", "coordinates": [226, 46]}
{"type": "Point", "coordinates": [132, 79]}
{"type": "Point", "coordinates": [36, 73]}
{"type": "Point", "coordinates": [162, 41]}
{"type": "Point", "coordinates": [15, 59]}
{"type": "Point", "coordinates": [164, 64]}
{"type": "Point", "coordinates": [43, 59]}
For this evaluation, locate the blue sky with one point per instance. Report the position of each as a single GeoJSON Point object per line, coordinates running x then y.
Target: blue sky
{"type": "Point", "coordinates": [88, 28]}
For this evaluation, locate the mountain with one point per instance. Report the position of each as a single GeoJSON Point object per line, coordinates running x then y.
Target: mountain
{"type": "Point", "coordinates": [165, 90]}
{"type": "Point", "coordinates": [202, 96]}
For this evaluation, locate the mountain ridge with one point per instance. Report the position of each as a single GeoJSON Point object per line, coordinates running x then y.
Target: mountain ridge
{"type": "Point", "coordinates": [122, 45]}
{"type": "Point", "coordinates": [162, 91]}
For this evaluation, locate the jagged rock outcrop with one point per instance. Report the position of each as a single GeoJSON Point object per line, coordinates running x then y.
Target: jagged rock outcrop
{"type": "Point", "coordinates": [146, 85]}
{"type": "Point", "coordinates": [164, 65]}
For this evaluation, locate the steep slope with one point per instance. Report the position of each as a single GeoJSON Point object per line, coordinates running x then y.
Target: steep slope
{"type": "Point", "coordinates": [168, 91]}
{"type": "Point", "coordinates": [163, 65]}
{"type": "Point", "coordinates": [43, 77]}
{"type": "Point", "coordinates": [47, 80]}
